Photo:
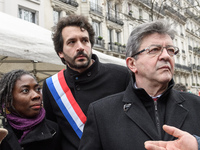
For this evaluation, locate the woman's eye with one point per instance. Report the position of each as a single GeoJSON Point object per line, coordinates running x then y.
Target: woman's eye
{"type": "Point", "coordinates": [25, 90]}
{"type": "Point", "coordinates": [38, 89]}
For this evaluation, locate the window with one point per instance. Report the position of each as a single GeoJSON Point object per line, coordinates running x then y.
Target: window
{"type": "Point", "coordinates": [110, 36]}
{"type": "Point", "coordinates": [117, 6]}
{"type": "Point", "coordinates": [118, 37]}
{"type": "Point", "coordinates": [97, 28]}
{"type": "Point", "coordinates": [56, 16]}
{"type": "Point", "coordinates": [140, 13]}
{"type": "Point", "coordinates": [129, 7]}
{"type": "Point", "coordinates": [182, 45]}
{"type": "Point", "coordinates": [199, 60]}
{"type": "Point", "coordinates": [110, 40]}
{"type": "Point", "coordinates": [94, 4]}
{"type": "Point", "coordinates": [150, 17]}
{"type": "Point", "coordinates": [109, 8]}
{"type": "Point", "coordinates": [28, 15]}
{"type": "Point", "coordinates": [181, 30]}
{"type": "Point", "coordinates": [190, 58]}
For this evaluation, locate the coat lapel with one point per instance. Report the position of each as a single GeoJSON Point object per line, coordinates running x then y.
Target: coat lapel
{"type": "Point", "coordinates": [175, 113]}
{"type": "Point", "coordinates": [139, 115]}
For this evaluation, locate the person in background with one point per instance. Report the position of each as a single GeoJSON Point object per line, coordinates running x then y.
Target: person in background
{"type": "Point", "coordinates": [185, 141]}
{"type": "Point", "coordinates": [24, 116]}
{"type": "Point", "coordinates": [180, 87]}
{"type": "Point", "coordinates": [68, 93]}
{"type": "Point", "coordinates": [126, 120]}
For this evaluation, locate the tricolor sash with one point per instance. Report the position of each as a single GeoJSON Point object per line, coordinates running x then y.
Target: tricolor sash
{"type": "Point", "coordinates": [66, 102]}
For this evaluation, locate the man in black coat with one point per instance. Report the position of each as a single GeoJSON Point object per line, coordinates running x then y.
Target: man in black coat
{"type": "Point", "coordinates": [67, 95]}
{"type": "Point", "coordinates": [126, 120]}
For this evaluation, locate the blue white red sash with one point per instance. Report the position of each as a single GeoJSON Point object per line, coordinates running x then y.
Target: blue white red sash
{"type": "Point", "coordinates": [65, 100]}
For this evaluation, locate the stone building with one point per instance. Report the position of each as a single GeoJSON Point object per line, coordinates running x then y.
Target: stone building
{"type": "Point", "coordinates": [113, 21]}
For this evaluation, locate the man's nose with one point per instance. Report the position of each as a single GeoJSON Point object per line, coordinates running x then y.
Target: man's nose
{"type": "Point", "coordinates": [79, 46]}
{"type": "Point", "coordinates": [164, 51]}
{"type": "Point", "coordinates": [164, 54]}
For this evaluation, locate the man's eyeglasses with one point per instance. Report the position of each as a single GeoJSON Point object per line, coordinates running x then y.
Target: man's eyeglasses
{"type": "Point", "coordinates": [157, 50]}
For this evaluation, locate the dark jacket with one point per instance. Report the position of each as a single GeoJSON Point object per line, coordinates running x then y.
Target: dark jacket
{"type": "Point", "coordinates": [98, 81]}
{"type": "Point", "coordinates": [45, 136]}
{"type": "Point", "coordinates": [126, 120]}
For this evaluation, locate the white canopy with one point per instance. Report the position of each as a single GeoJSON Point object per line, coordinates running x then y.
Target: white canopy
{"type": "Point", "coordinates": [28, 46]}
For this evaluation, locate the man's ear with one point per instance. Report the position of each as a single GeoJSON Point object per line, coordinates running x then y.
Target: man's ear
{"type": "Point", "coordinates": [130, 62]}
{"type": "Point", "coordinates": [61, 54]}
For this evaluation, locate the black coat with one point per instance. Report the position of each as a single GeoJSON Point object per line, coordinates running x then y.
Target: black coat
{"type": "Point", "coordinates": [46, 136]}
{"type": "Point", "coordinates": [98, 81]}
{"type": "Point", "coordinates": [112, 126]}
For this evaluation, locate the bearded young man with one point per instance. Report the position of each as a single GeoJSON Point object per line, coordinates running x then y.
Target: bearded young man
{"type": "Point", "coordinates": [68, 93]}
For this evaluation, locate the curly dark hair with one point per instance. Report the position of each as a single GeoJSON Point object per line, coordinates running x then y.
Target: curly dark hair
{"type": "Point", "coordinates": [7, 84]}
{"type": "Point", "coordinates": [72, 20]}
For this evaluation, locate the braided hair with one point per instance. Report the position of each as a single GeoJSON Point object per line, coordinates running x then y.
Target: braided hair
{"type": "Point", "coordinates": [7, 84]}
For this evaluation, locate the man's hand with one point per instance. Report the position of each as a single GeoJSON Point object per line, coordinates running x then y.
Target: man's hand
{"type": "Point", "coordinates": [185, 141]}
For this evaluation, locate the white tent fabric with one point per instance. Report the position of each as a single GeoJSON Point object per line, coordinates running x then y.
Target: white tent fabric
{"type": "Point", "coordinates": [22, 39]}
{"type": "Point", "coordinates": [28, 43]}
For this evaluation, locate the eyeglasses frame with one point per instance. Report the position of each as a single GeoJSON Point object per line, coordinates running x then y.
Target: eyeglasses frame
{"type": "Point", "coordinates": [139, 52]}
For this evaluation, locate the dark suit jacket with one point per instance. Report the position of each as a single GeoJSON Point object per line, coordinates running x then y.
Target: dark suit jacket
{"type": "Point", "coordinates": [110, 126]}
{"type": "Point", "coordinates": [98, 81]}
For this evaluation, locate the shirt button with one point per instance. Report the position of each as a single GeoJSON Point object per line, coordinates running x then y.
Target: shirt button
{"type": "Point", "coordinates": [78, 87]}
{"type": "Point", "coordinates": [89, 74]}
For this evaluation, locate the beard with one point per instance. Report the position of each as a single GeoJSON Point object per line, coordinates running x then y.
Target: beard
{"type": "Point", "coordinates": [72, 61]}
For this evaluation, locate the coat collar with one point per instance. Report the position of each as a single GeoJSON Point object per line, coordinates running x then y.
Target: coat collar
{"type": "Point", "coordinates": [74, 76]}
{"type": "Point", "coordinates": [42, 132]}
{"type": "Point", "coordinates": [175, 112]}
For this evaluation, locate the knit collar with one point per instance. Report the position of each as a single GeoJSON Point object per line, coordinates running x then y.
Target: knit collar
{"type": "Point", "coordinates": [25, 124]}
{"type": "Point", "coordinates": [142, 94]}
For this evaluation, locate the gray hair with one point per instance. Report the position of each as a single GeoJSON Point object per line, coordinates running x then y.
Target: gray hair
{"type": "Point", "coordinates": [143, 30]}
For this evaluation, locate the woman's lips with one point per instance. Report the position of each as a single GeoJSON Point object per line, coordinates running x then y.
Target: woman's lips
{"type": "Point", "coordinates": [36, 106]}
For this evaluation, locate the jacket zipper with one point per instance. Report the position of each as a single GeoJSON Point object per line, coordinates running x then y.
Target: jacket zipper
{"type": "Point", "coordinates": [157, 118]}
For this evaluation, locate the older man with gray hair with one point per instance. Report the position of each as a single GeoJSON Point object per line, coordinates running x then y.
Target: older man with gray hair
{"type": "Point", "coordinates": [126, 120]}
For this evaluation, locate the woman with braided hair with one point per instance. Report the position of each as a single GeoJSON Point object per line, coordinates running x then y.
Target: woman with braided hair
{"type": "Point", "coordinates": [24, 116]}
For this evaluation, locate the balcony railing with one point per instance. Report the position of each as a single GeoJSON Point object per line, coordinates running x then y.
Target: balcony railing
{"type": "Point", "coordinates": [99, 42]}
{"type": "Point", "coordinates": [189, 47]}
{"type": "Point", "coordinates": [115, 19]}
{"type": "Point", "coordinates": [173, 11]}
{"type": "Point", "coordinates": [116, 48]}
{"type": "Point", "coordinates": [183, 67]}
{"type": "Point", "coordinates": [96, 8]}
{"type": "Point", "coordinates": [196, 50]}
{"type": "Point", "coordinates": [191, 14]}
{"type": "Point", "coordinates": [194, 66]}
{"type": "Point", "coordinates": [155, 6]}
{"type": "Point", "coordinates": [70, 2]}
{"type": "Point", "coordinates": [198, 67]}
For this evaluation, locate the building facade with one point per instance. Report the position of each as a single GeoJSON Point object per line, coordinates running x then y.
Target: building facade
{"type": "Point", "coordinates": [113, 21]}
